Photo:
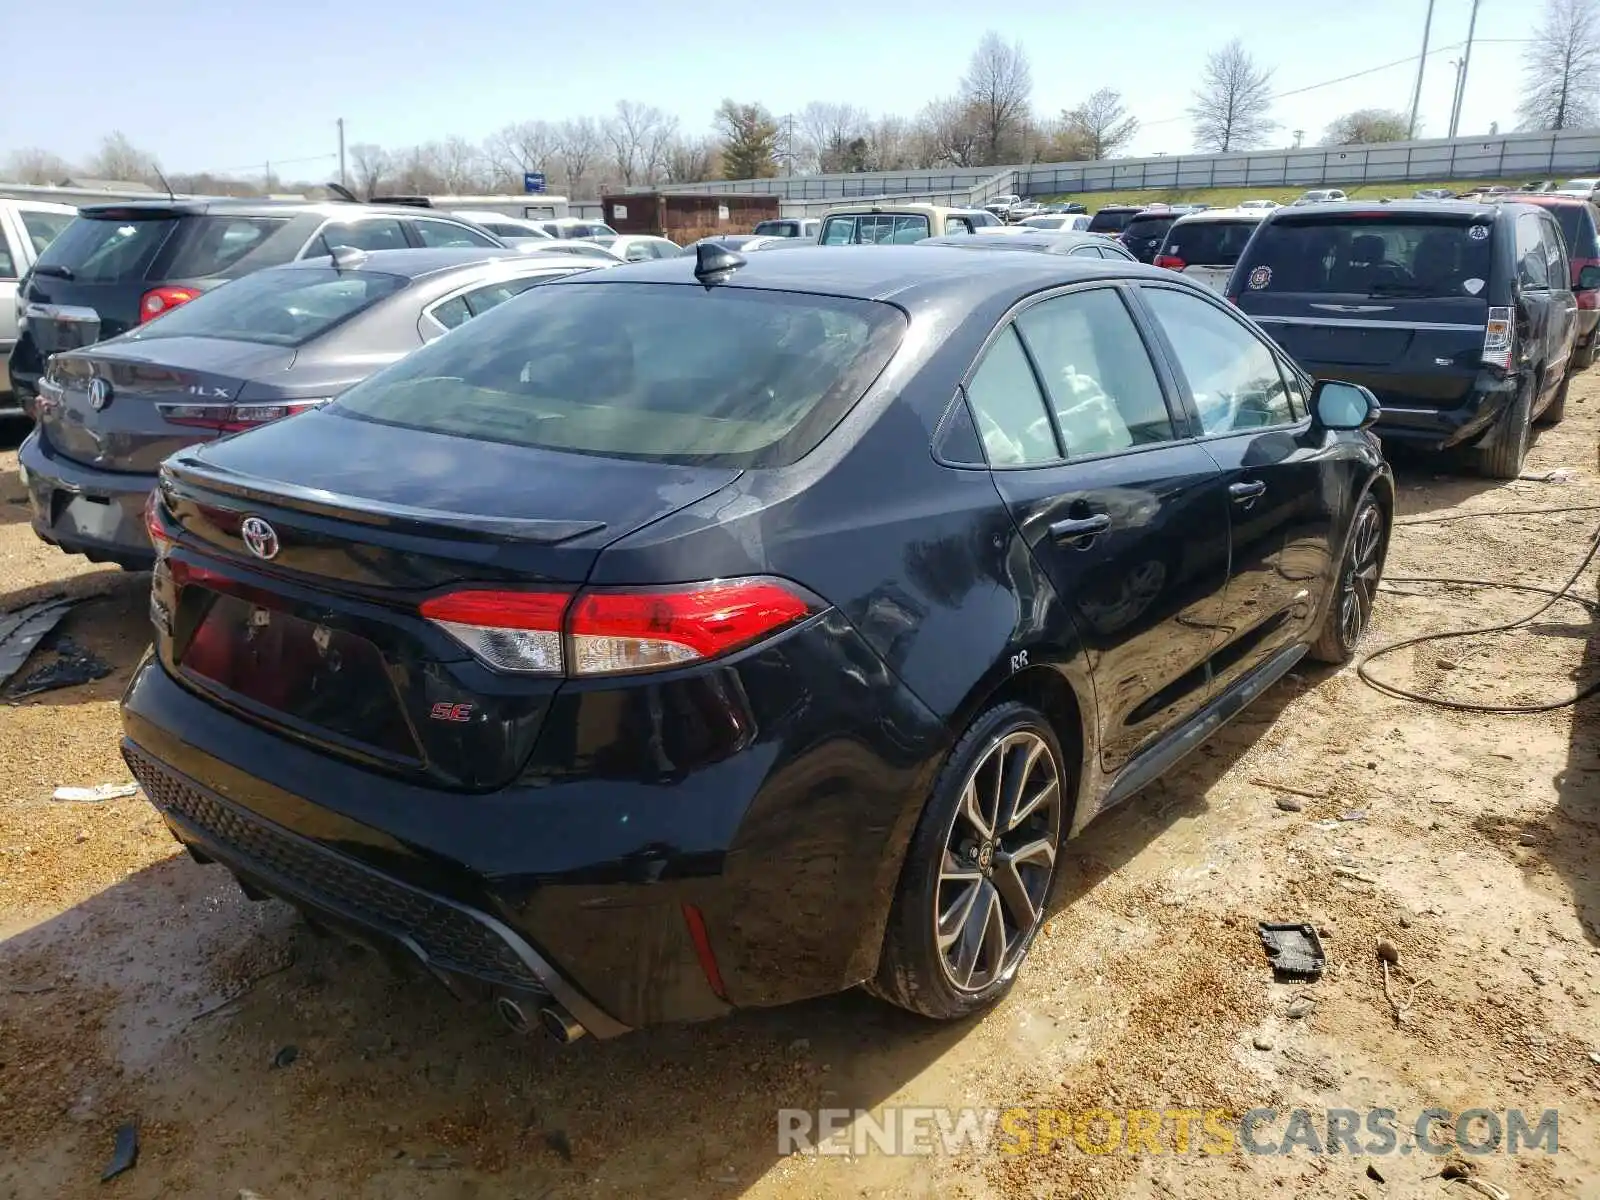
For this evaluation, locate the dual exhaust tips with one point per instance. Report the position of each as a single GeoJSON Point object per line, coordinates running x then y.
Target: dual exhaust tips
{"type": "Point", "coordinates": [551, 1017]}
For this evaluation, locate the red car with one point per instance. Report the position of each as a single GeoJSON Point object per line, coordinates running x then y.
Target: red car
{"type": "Point", "coordinates": [1580, 222]}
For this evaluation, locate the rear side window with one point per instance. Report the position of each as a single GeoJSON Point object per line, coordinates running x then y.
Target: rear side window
{"type": "Point", "coordinates": [286, 307]}
{"type": "Point", "coordinates": [731, 376]}
{"type": "Point", "coordinates": [875, 229]}
{"type": "Point", "coordinates": [1209, 243]}
{"type": "Point", "coordinates": [442, 233]}
{"type": "Point", "coordinates": [1578, 227]}
{"type": "Point", "coordinates": [457, 310]}
{"type": "Point", "coordinates": [1012, 419]}
{"type": "Point", "coordinates": [108, 249]}
{"type": "Point", "coordinates": [381, 234]}
{"type": "Point", "coordinates": [1371, 256]}
{"type": "Point", "coordinates": [1533, 257]}
{"type": "Point", "coordinates": [208, 246]}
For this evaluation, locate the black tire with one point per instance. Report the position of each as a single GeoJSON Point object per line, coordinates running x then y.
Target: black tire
{"type": "Point", "coordinates": [1583, 356]}
{"type": "Point", "coordinates": [1360, 572]}
{"type": "Point", "coordinates": [1503, 457]}
{"type": "Point", "coordinates": [915, 971]}
{"type": "Point", "coordinates": [1557, 408]}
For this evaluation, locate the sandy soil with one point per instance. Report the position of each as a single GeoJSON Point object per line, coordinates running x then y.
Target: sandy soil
{"type": "Point", "coordinates": [1468, 840]}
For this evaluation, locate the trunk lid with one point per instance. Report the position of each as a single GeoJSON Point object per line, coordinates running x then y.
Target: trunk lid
{"type": "Point", "coordinates": [322, 640]}
{"type": "Point", "coordinates": [127, 405]}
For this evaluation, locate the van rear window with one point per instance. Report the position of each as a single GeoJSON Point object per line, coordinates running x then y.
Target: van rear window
{"type": "Point", "coordinates": [1108, 221]}
{"type": "Point", "coordinates": [1210, 243]}
{"type": "Point", "coordinates": [1371, 256]}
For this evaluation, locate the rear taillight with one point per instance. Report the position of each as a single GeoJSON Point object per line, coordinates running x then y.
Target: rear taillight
{"type": "Point", "coordinates": [163, 299]}
{"type": "Point", "coordinates": [1589, 299]}
{"type": "Point", "coordinates": [616, 631]}
{"type": "Point", "coordinates": [1171, 262]}
{"type": "Point", "coordinates": [155, 523]}
{"type": "Point", "coordinates": [232, 418]}
{"type": "Point", "coordinates": [1498, 337]}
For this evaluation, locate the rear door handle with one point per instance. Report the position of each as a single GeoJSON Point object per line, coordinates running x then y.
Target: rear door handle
{"type": "Point", "coordinates": [1080, 527]}
{"type": "Point", "coordinates": [1244, 493]}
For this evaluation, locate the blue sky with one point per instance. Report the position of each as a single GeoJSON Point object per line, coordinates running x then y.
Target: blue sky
{"type": "Point", "coordinates": [209, 86]}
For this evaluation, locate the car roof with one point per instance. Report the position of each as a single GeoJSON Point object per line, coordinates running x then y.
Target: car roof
{"type": "Point", "coordinates": [414, 264]}
{"type": "Point", "coordinates": [224, 205]}
{"type": "Point", "coordinates": [1049, 241]}
{"type": "Point", "coordinates": [871, 207]}
{"type": "Point", "coordinates": [915, 277]}
{"type": "Point", "coordinates": [1223, 214]}
{"type": "Point", "coordinates": [1553, 200]}
{"type": "Point", "coordinates": [1358, 209]}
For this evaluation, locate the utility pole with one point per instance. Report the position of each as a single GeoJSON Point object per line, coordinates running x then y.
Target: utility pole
{"type": "Point", "coordinates": [1422, 65]}
{"type": "Point", "coordinates": [1299, 136]}
{"type": "Point", "coordinates": [1461, 81]}
{"type": "Point", "coordinates": [343, 179]}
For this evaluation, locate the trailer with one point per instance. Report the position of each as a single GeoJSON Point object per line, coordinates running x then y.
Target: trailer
{"type": "Point", "coordinates": [687, 216]}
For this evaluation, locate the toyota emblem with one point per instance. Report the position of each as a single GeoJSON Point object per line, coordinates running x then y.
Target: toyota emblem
{"type": "Point", "coordinates": [99, 393]}
{"type": "Point", "coordinates": [260, 538]}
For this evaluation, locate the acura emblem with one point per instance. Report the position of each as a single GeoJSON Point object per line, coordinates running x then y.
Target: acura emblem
{"type": "Point", "coordinates": [259, 537]}
{"type": "Point", "coordinates": [99, 393]}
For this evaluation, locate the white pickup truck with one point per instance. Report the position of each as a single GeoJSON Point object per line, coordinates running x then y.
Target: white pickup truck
{"type": "Point", "coordinates": [26, 228]}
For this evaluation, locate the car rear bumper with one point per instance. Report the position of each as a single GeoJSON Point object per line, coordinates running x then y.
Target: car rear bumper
{"type": "Point", "coordinates": [1431, 426]}
{"type": "Point", "coordinates": [99, 514]}
{"type": "Point", "coordinates": [776, 855]}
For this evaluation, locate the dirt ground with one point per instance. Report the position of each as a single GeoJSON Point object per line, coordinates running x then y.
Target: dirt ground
{"type": "Point", "coordinates": [138, 986]}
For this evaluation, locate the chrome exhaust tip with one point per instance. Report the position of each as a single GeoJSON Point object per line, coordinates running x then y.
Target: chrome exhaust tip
{"type": "Point", "coordinates": [512, 1014]}
{"type": "Point", "coordinates": [560, 1024]}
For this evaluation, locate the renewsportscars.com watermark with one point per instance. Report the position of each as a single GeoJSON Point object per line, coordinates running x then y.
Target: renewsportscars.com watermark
{"type": "Point", "coordinates": [1169, 1131]}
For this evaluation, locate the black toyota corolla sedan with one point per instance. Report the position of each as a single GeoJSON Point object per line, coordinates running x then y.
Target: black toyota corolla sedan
{"type": "Point", "coordinates": [716, 632]}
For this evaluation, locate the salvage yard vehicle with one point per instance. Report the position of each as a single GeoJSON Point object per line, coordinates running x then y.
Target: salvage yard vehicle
{"type": "Point", "coordinates": [1580, 227]}
{"type": "Point", "coordinates": [641, 248]}
{"type": "Point", "coordinates": [1113, 218]}
{"type": "Point", "coordinates": [804, 228]}
{"type": "Point", "coordinates": [1044, 241]}
{"type": "Point", "coordinates": [1460, 317]}
{"type": "Point", "coordinates": [117, 265]}
{"type": "Point", "coordinates": [1206, 245]}
{"type": "Point", "coordinates": [26, 228]}
{"type": "Point", "coordinates": [265, 347]}
{"type": "Point", "coordinates": [883, 224]}
{"type": "Point", "coordinates": [516, 232]}
{"type": "Point", "coordinates": [673, 678]}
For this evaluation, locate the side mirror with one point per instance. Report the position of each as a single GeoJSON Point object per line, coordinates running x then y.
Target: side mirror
{"type": "Point", "coordinates": [1338, 405]}
{"type": "Point", "coordinates": [1589, 279]}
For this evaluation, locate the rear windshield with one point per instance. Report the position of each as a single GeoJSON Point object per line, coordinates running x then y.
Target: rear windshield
{"type": "Point", "coordinates": [777, 229]}
{"type": "Point", "coordinates": [1148, 227]}
{"type": "Point", "coordinates": [1210, 243]}
{"type": "Point", "coordinates": [875, 229]}
{"type": "Point", "coordinates": [106, 249]}
{"type": "Point", "coordinates": [1372, 256]}
{"type": "Point", "coordinates": [1110, 222]}
{"type": "Point", "coordinates": [208, 246]}
{"type": "Point", "coordinates": [286, 307]}
{"type": "Point", "coordinates": [730, 376]}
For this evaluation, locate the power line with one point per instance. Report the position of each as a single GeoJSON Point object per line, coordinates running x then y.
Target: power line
{"type": "Point", "coordinates": [282, 162]}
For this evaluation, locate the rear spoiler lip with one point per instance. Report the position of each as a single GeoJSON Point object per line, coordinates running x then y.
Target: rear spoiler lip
{"type": "Point", "coordinates": [183, 472]}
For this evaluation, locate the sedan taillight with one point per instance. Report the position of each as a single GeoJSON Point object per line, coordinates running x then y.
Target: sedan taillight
{"type": "Point", "coordinates": [616, 631]}
{"type": "Point", "coordinates": [163, 299]}
{"type": "Point", "coordinates": [233, 418]}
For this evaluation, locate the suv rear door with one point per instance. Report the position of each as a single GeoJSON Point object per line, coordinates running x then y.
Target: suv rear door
{"type": "Point", "coordinates": [1145, 233]}
{"type": "Point", "coordinates": [1394, 300]}
{"type": "Point", "coordinates": [1548, 316]}
{"type": "Point", "coordinates": [1206, 250]}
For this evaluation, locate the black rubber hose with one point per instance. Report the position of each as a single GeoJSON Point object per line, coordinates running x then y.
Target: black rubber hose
{"type": "Point", "coordinates": [1556, 596]}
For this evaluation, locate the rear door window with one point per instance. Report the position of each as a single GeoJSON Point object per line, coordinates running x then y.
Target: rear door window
{"type": "Point", "coordinates": [734, 376]}
{"type": "Point", "coordinates": [1101, 383]}
{"type": "Point", "coordinates": [209, 245]}
{"type": "Point", "coordinates": [108, 249]}
{"type": "Point", "coordinates": [1209, 243]}
{"type": "Point", "coordinates": [1401, 256]}
{"type": "Point", "coordinates": [1232, 376]}
{"type": "Point", "coordinates": [283, 307]}
{"type": "Point", "coordinates": [443, 233]}
{"type": "Point", "coordinates": [380, 233]}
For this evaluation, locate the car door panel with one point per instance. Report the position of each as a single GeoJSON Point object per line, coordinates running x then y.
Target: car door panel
{"type": "Point", "coordinates": [1127, 519]}
{"type": "Point", "coordinates": [1284, 482]}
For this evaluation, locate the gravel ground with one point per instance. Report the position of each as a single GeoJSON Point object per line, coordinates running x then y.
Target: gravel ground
{"type": "Point", "coordinates": [135, 985]}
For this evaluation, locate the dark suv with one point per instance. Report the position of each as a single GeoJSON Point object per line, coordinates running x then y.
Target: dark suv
{"type": "Point", "coordinates": [1113, 218]}
{"type": "Point", "coordinates": [119, 265]}
{"type": "Point", "coordinates": [1460, 317]}
{"type": "Point", "coordinates": [1145, 233]}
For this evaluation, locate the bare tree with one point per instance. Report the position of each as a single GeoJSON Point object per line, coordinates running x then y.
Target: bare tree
{"type": "Point", "coordinates": [461, 166]}
{"type": "Point", "coordinates": [369, 166]}
{"type": "Point", "coordinates": [118, 158]}
{"type": "Point", "coordinates": [1232, 103]}
{"type": "Point", "coordinates": [1100, 126]}
{"type": "Point", "coordinates": [638, 135]}
{"type": "Point", "coordinates": [827, 133]}
{"type": "Point", "coordinates": [690, 160]}
{"type": "Point", "coordinates": [997, 91]}
{"type": "Point", "coordinates": [529, 145]}
{"type": "Point", "coordinates": [951, 132]}
{"type": "Point", "coordinates": [888, 144]}
{"type": "Point", "coordinates": [1366, 126]}
{"type": "Point", "coordinates": [581, 144]}
{"type": "Point", "coordinates": [1562, 66]}
{"type": "Point", "coordinates": [35, 165]}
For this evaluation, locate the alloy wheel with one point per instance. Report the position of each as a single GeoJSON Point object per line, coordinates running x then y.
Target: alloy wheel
{"type": "Point", "coordinates": [1360, 586]}
{"type": "Point", "coordinates": [999, 858]}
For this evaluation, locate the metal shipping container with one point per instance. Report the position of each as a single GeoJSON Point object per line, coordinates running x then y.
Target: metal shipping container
{"type": "Point", "coordinates": [687, 216]}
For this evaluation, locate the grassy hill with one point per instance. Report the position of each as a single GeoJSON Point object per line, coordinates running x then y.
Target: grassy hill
{"type": "Point", "coordinates": [1226, 197]}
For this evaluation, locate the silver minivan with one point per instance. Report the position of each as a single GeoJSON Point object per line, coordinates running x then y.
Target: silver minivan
{"type": "Point", "coordinates": [1205, 245]}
